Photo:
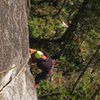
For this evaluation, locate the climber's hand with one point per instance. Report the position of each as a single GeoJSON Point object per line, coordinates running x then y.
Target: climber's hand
{"type": "Point", "coordinates": [32, 51]}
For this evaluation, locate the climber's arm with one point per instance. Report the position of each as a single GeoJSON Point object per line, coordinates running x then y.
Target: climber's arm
{"type": "Point", "coordinates": [32, 50]}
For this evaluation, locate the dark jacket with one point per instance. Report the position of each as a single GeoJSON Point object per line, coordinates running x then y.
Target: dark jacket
{"type": "Point", "coordinates": [44, 65]}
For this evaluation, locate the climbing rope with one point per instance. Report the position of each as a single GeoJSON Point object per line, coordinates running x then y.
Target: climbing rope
{"type": "Point", "coordinates": [4, 71]}
{"type": "Point", "coordinates": [8, 69]}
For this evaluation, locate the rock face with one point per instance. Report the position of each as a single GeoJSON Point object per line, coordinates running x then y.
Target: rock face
{"type": "Point", "coordinates": [16, 81]}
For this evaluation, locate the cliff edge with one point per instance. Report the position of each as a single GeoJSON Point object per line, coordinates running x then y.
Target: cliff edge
{"type": "Point", "coordinates": [16, 81]}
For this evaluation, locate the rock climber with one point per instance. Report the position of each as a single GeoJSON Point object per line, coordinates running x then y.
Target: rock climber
{"type": "Point", "coordinates": [43, 62]}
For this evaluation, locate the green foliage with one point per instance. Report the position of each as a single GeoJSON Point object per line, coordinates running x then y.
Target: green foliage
{"type": "Point", "coordinates": [77, 51]}
{"type": "Point", "coordinates": [41, 23]}
{"type": "Point", "coordinates": [51, 90]}
{"type": "Point", "coordinates": [87, 86]}
{"type": "Point", "coordinates": [45, 27]}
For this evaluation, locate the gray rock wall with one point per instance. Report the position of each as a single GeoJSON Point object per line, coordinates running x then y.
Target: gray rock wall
{"type": "Point", "coordinates": [16, 82]}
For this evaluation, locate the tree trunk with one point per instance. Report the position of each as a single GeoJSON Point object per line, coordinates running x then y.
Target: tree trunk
{"type": "Point", "coordinates": [85, 68]}
{"type": "Point", "coordinates": [16, 82]}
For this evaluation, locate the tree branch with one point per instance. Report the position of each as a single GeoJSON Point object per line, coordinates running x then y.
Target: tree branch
{"type": "Point", "coordinates": [68, 35]}
{"type": "Point", "coordinates": [60, 9]}
{"type": "Point", "coordinates": [42, 41]}
{"type": "Point", "coordinates": [52, 94]}
{"type": "Point", "coordinates": [69, 31]}
{"type": "Point", "coordinates": [95, 93]}
{"type": "Point", "coordinates": [85, 68]}
{"type": "Point", "coordinates": [73, 25]}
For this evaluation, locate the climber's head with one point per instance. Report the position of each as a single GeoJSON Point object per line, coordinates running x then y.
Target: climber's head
{"type": "Point", "coordinates": [40, 55]}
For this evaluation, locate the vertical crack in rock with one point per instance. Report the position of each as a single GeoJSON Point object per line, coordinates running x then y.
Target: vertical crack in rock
{"type": "Point", "coordinates": [10, 76]}
{"type": "Point", "coordinates": [5, 85]}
